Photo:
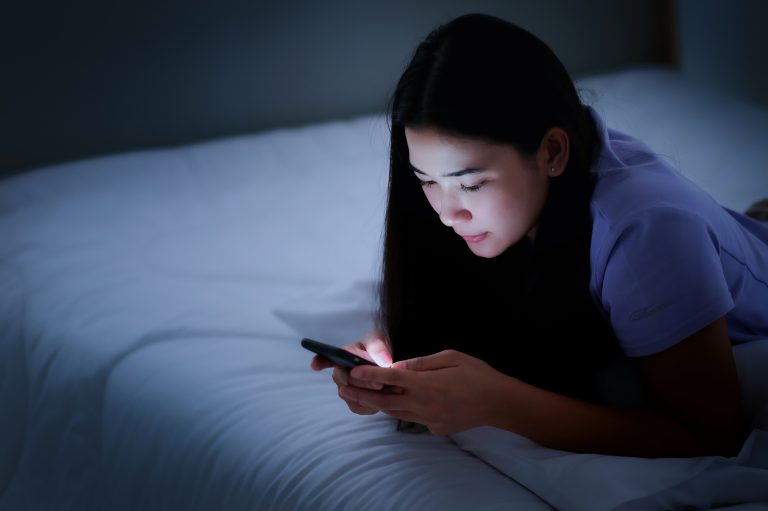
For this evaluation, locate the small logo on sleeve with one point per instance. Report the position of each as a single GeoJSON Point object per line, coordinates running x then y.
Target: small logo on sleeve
{"type": "Point", "coordinates": [649, 311]}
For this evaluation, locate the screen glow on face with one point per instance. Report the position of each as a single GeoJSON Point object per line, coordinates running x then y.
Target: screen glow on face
{"type": "Point", "coordinates": [487, 193]}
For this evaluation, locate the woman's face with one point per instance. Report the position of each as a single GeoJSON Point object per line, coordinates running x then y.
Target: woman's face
{"type": "Point", "coordinates": [487, 193]}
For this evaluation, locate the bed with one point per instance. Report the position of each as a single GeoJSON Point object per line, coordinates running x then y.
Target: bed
{"type": "Point", "coordinates": [152, 305]}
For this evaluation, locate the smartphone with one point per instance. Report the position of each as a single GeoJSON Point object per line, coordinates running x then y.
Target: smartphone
{"type": "Point", "coordinates": [336, 355]}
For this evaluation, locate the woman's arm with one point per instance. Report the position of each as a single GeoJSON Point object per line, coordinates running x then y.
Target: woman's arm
{"type": "Point", "coordinates": [693, 384]}
{"type": "Point", "coordinates": [697, 410]}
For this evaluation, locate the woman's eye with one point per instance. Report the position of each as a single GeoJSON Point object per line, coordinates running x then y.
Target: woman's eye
{"type": "Point", "coordinates": [472, 188]}
{"type": "Point", "coordinates": [426, 184]}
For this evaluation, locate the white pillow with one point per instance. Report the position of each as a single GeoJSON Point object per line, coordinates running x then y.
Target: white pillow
{"type": "Point", "coordinates": [339, 314]}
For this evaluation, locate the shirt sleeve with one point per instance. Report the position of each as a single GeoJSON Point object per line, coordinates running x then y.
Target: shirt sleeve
{"type": "Point", "coordinates": [663, 280]}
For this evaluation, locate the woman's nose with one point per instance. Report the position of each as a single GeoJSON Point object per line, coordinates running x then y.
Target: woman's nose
{"type": "Point", "coordinates": [451, 211]}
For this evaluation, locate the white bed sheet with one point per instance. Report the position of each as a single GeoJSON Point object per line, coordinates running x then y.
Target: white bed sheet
{"type": "Point", "coordinates": [142, 365]}
{"type": "Point", "coordinates": [256, 431]}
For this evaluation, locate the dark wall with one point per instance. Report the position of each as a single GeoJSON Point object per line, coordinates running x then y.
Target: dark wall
{"type": "Point", "coordinates": [724, 44]}
{"type": "Point", "coordinates": [90, 77]}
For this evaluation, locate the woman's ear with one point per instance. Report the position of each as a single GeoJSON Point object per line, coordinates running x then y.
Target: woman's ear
{"type": "Point", "coordinates": [552, 154]}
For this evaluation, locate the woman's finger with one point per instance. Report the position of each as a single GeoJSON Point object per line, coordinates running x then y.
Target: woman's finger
{"type": "Point", "coordinates": [373, 346]}
{"type": "Point", "coordinates": [319, 363]}
{"type": "Point", "coordinates": [365, 384]}
{"type": "Point", "coordinates": [379, 351]}
{"type": "Point", "coordinates": [360, 409]}
{"type": "Point", "coordinates": [340, 377]}
{"type": "Point", "coordinates": [387, 376]}
{"type": "Point", "coordinates": [447, 358]}
{"type": "Point", "coordinates": [356, 407]}
{"type": "Point", "coordinates": [375, 399]}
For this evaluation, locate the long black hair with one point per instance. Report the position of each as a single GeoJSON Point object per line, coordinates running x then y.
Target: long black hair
{"type": "Point", "coordinates": [524, 310]}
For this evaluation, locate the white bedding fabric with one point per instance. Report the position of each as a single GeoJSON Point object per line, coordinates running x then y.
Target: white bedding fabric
{"type": "Point", "coordinates": [591, 482]}
{"type": "Point", "coordinates": [141, 363]}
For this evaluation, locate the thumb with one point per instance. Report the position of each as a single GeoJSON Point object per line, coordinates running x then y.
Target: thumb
{"type": "Point", "coordinates": [379, 351]}
{"type": "Point", "coordinates": [429, 363]}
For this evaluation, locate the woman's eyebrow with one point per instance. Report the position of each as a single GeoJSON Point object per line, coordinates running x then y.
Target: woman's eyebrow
{"type": "Point", "coordinates": [452, 174]}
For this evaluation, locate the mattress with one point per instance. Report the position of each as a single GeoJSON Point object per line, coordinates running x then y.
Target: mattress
{"type": "Point", "coordinates": [152, 305]}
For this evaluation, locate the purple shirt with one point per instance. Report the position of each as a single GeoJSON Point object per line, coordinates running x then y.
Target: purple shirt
{"type": "Point", "coordinates": [666, 258]}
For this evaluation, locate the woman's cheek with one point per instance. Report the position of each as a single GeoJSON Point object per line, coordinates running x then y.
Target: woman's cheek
{"type": "Point", "coordinates": [433, 199]}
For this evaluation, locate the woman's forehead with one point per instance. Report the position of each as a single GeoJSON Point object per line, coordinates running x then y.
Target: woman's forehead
{"type": "Point", "coordinates": [434, 143]}
{"type": "Point", "coordinates": [433, 150]}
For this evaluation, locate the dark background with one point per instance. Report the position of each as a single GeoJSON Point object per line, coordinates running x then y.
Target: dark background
{"type": "Point", "coordinates": [85, 78]}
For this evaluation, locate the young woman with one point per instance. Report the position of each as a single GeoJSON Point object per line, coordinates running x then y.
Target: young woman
{"type": "Point", "coordinates": [535, 260]}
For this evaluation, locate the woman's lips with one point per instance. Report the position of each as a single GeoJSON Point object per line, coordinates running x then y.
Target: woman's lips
{"type": "Point", "coordinates": [474, 239]}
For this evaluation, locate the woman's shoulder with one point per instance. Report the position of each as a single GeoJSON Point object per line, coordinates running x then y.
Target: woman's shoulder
{"type": "Point", "coordinates": [640, 196]}
{"type": "Point", "coordinates": [630, 177]}
{"type": "Point", "coordinates": [652, 204]}
{"type": "Point", "coordinates": [644, 190]}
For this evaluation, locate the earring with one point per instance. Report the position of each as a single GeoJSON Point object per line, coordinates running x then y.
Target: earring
{"type": "Point", "coordinates": [552, 170]}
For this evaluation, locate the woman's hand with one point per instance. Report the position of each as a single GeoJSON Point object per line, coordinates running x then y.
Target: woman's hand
{"type": "Point", "coordinates": [373, 347]}
{"type": "Point", "coordinates": [448, 392]}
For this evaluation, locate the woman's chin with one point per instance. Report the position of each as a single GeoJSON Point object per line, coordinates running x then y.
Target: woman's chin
{"type": "Point", "coordinates": [490, 247]}
{"type": "Point", "coordinates": [487, 251]}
